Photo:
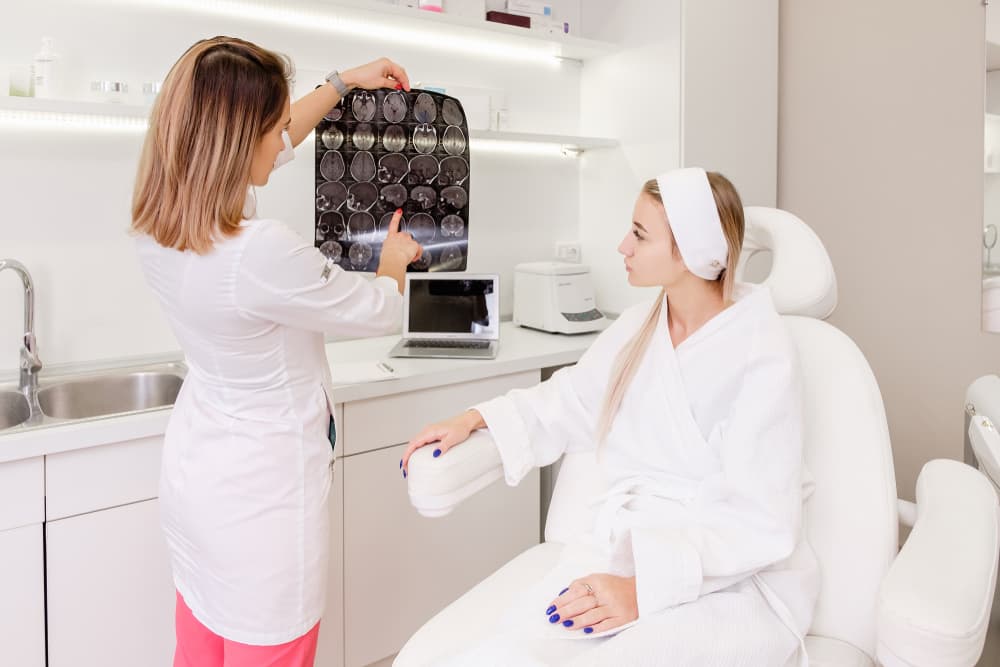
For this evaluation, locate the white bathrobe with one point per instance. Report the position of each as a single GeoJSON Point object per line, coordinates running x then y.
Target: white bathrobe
{"type": "Point", "coordinates": [706, 487]}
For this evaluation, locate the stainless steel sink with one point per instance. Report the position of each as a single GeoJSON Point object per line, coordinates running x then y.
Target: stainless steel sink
{"type": "Point", "coordinates": [108, 394]}
{"type": "Point", "coordinates": [14, 409]}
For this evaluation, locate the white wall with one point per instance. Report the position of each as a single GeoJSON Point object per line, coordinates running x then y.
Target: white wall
{"type": "Point", "coordinates": [66, 196]}
{"type": "Point", "coordinates": [633, 95]}
{"type": "Point", "coordinates": [730, 99]}
{"type": "Point", "coordinates": [881, 152]}
{"type": "Point", "coordinates": [694, 84]}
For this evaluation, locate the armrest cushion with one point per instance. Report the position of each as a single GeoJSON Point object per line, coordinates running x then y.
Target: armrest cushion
{"type": "Point", "coordinates": [934, 603]}
{"type": "Point", "coordinates": [437, 485]}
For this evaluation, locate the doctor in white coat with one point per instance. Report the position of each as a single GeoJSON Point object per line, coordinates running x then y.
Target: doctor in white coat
{"type": "Point", "coordinates": [697, 554]}
{"type": "Point", "coordinates": [248, 458]}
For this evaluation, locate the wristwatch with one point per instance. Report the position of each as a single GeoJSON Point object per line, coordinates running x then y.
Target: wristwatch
{"type": "Point", "coordinates": [338, 83]}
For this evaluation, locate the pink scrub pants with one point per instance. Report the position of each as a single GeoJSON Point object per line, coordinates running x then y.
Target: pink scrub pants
{"type": "Point", "coordinates": [197, 646]}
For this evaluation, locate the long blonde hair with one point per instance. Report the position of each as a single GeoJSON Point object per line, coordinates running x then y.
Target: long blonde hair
{"type": "Point", "coordinates": [730, 207]}
{"type": "Point", "coordinates": [216, 103]}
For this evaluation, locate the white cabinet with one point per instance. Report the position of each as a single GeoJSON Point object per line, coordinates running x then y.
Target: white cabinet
{"type": "Point", "coordinates": [110, 593]}
{"type": "Point", "coordinates": [102, 568]}
{"type": "Point", "coordinates": [401, 568]}
{"type": "Point", "coordinates": [22, 597]}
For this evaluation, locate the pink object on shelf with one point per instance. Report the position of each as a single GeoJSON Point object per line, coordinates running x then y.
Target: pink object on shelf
{"type": "Point", "coordinates": [430, 6]}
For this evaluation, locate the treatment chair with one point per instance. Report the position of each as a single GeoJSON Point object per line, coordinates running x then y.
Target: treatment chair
{"type": "Point", "coordinates": [926, 603]}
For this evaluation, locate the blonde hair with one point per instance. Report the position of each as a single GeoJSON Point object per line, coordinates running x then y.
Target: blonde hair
{"type": "Point", "coordinates": [727, 201]}
{"type": "Point", "coordinates": [216, 103]}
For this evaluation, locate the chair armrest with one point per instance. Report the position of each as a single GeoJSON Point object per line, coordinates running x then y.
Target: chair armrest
{"type": "Point", "coordinates": [934, 603]}
{"type": "Point", "coordinates": [438, 485]}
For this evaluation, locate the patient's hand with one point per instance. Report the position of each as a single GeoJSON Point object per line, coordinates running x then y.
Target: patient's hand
{"type": "Point", "coordinates": [612, 603]}
{"type": "Point", "coordinates": [447, 434]}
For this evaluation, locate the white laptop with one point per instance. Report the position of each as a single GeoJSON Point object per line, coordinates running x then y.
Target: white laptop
{"type": "Point", "coordinates": [450, 315]}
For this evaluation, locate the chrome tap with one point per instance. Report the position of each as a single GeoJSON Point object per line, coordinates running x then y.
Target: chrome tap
{"type": "Point", "coordinates": [30, 363]}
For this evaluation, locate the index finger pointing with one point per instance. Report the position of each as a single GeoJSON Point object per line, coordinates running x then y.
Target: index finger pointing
{"type": "Point", "coordinates": [394, 223]}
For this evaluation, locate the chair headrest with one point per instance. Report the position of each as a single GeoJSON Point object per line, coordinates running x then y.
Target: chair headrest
{"type": "Point", "coordinates": [801, 281]}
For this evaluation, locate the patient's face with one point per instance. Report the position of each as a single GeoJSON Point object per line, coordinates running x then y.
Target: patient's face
{"type": "Point", "coordinates": [651, 257]}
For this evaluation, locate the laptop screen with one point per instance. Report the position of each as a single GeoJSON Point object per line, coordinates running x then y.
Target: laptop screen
{"type": "Point", "coordinates": [453, 307]}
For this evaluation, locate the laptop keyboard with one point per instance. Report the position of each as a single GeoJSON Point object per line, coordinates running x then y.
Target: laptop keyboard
{"type": "Point", "coordinates": [450, 344]}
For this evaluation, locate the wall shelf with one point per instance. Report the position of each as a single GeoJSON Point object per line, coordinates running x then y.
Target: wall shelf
{"type": "Point", "coordinates": [381, 20]}
{"type": "Point", "coordinates": [562, 46]}
{"type": "Point", "coordinates": [85, 113]}
{"type": "Point", "coordinates": [73, 107]}
{"type": "Point", "coordinates": [569, 142]}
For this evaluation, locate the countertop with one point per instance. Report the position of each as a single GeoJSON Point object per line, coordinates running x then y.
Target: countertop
{"type": "Point", "coordinates": [520, 350]}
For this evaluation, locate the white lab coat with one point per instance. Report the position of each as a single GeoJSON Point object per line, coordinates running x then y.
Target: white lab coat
{"type": "Point", "coordinates": [247, 462]}
{"type": "Point", "coordinates": [706, 484]}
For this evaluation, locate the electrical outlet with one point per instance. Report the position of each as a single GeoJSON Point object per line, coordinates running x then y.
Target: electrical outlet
{"type": "Point", "coordinates": [568, 251]}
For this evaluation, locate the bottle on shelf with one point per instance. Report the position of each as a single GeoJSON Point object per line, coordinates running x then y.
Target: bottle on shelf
{"type": "Point", "coordinates": [43, 70]}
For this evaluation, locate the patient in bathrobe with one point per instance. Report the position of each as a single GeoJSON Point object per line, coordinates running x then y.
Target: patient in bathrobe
{"type": "Point", "coordinates": [697, 555]}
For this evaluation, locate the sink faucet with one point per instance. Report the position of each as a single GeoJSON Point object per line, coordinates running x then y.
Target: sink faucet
{"type": "Point", "coordinates": [30, 363]}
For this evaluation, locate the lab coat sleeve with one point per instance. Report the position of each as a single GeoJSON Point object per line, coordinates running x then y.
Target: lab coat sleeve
{"type": "Point", "coordinates": [534, 427]}
{"type": "Point", "coordinates": [280, 278]}
{"type": "Point", "coordinates": [748, 516]}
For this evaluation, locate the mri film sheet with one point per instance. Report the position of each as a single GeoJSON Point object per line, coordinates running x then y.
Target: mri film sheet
{"type": "Point", "coordinates": [380, 150]}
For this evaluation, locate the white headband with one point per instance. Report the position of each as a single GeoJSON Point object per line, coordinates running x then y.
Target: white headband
{"type": "Point", "coordinates": [694, 220]}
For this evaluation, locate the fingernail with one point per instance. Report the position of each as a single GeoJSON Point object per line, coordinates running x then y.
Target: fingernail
{"type": "Point", "coordinates": [404, 474]}
{"type": "Point", "coordinates": [437, 453]}
{"type": "Point", "coordinates": [550, 610]}
{"type": "Point", "coordinates": [554, 618]}
{"type": "Point", "coordinates": [399, 210]}
{"type": "Point", "coordinates": [399, 86]}
{"type": "Point", "coordinates": [400, 464]}
{"type": "Point", "coordinates": [563, 591]}
{"type": "Point", "coordinates": [568, 624]}
{"type": "Point", "coordinates": [587, 631]}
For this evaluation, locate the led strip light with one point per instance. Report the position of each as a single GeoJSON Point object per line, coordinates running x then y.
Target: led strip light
{"type": "Point", "coordinates": [441, 38]}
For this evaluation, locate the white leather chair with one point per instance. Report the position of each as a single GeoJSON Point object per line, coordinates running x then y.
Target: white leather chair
{"type": "Point", "coordinates": [925, 604]}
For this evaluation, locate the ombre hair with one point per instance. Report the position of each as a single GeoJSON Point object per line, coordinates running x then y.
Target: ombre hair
{"type": "Point", "coordinates": [730, 207]}
{"type": "Point", "coordinates": [216, 103]}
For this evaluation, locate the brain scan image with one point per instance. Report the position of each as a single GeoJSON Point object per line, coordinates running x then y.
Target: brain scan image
{"type": "Point", "coordinates": [377, 151]}
{"type": "Point", "coordinates": [394, 107]}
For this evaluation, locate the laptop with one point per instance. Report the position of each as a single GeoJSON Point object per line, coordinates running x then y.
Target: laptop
{"type": "Point", "coordinates": [450, 316]}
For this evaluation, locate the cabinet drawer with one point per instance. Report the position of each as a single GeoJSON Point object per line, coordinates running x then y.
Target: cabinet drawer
{"type": "Point", "coordinates": [101, 477]}
{"type": "Point", "coordinates": [391, 420]}
{"type": "Point", "coordinates": [22, 493]}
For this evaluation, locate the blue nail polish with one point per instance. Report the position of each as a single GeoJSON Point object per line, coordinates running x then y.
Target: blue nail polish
{"type": "Point", "coordinates": [550, 610]}
{"type": "Point", "coordinates": [563, 591]}
{"type": "Point", "coordinates": [568, 624]}
{"type": "Point", "coordinates": [554, 618]}
{"type": "Point", "coordinates": [400, 464]}
{"type": "Point", "coordinates": [404, 474]}
{"type": "Point", "coordinates": [587, 631]}
{"type": "Point", "coordinates": [437, 453]}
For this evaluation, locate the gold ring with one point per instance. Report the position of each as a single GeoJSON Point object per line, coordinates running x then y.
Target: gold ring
{"type": "Point", "coordinates": [590, 591]}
